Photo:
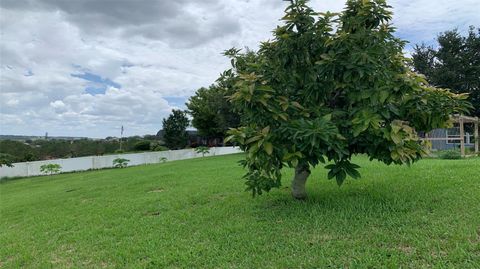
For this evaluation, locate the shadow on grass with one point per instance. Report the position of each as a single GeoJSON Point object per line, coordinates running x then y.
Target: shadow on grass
{"type": "Point", "coordinates": [350, 203]}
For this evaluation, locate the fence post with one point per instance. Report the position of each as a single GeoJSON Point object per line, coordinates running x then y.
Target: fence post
{"type": "Point", "coordinates": [475, 135]}
{"type": "Point", "coordinates": [462, 137]}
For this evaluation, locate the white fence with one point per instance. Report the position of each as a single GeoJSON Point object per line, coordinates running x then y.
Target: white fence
{"type": "Point", "coordinates": [26, 169]}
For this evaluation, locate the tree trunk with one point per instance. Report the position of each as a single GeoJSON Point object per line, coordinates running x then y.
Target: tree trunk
{"type": "Point", "coordinates": [298, 183]}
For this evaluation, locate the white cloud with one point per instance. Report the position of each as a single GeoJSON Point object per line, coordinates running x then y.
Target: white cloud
{"type": "Point", "coordinates": [152, 49]}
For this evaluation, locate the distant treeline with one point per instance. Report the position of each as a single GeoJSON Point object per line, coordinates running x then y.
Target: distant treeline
{"type": "Point", "coordinates": [44, 149]}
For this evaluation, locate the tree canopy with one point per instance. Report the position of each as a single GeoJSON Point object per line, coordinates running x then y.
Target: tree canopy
{"type": "Point", "coordinates": [454, 64]}
{"type": "Point", "coordinates": [175, 129]}
{"type": "Point", "coordinates": [212, 114]}
{"type": "Point", "coordinates": [329, 86]}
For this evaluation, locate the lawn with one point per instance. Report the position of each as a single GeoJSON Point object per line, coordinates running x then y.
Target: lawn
{"type": "Point", "coordinates": [195, 214]}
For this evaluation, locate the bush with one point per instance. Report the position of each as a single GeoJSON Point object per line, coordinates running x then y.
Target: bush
{"type": "Point", "coordinates": [159, 148]}
{"type": "Point", "coordinates": [142, 145]}
{"type": "Point", "coordinates": [51, 168]}
{"type": "Point", "coordinates": [119, 151]}
{"type": "Point", "coordinates": [6, 160]}
{"type": "Point", "coordinates": [450, 155]}
{"type": "Point", "coordinates": [203, 150]}
{"type": "Point", "coordinates": [120, 163]}
{"type": "Point", "coordinates": [29, 157]}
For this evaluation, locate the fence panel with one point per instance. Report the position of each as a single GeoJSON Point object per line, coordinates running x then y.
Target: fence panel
{"type": "Point", "coordinates": [26, 169]}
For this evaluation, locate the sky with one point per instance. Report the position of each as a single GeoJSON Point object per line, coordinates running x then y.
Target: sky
{"type": "Point", "coordinates": [87, 67]}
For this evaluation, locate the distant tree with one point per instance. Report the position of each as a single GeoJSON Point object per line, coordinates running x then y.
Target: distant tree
{"type": "Point", "coordinates": [212, 114]}
{"type": "Point", "coordinates": [29, 157]}
{"type": "Point", "coordinates": [53, 148]}
{"type": "Point", "coordinates": [158, 147]}
{"type": "Point", "coordinates": [327, 87]}
{"type": "Point", "coordinates": [175, 130]}
{"type": "Point", "coordinates": [47, 149]}
{"type": "Point", "coordinates": [142, 145]}
{"type": "Point", "coordinates": [6, 160]}
{"type": "Point", "coordinates": [18, 151]}
{"type": "Point", "coordinates": [150, 137]}
{"type": "Point", "coordinates": [453, 64]}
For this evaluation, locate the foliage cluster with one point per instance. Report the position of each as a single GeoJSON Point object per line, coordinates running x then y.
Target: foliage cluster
{"type": "Point", "coordinates": [175, 129]}
{"type": "Point", "coordinates": [120, 162]}
{"type": "Point", "coordinates": [450, 154]}
{"type": "Point", "coordinates": [142, 145]}
{"type": "Point", "coordinates": [34, 150]}
{"type": "Point", "coordinates": [6, 160]}
{"type": "Point", "coordinates": [202, 150]}
{"type": "Point", "coordinates": [157, 147]}
{"type": "Point", "coordinates": [212, 114]}
{"type": "Point", "coordinates": [453, 64]}
{"type": "Point", "coordinates": [51, 168]}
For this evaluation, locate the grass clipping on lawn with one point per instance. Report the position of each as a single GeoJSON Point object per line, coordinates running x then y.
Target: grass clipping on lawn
{"type": "Point", "coordinates": [195, 214]}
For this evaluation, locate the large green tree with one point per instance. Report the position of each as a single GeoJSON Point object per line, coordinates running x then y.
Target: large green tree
{"type": "Point", "coordinates": [453, 64]}
{"type": "Point", "coordinates": [175, 129]}
{"type": "Point", "coordinates": [212, 114]}
{"type": "Point", "coordinates": [329, 86]}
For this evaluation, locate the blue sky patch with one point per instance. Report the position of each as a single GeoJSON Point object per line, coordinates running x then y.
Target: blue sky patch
{"type": "Point", "coordinates": [28, 73]}
{"type": "Point", "coordinates": [95, 90]}
{"type": "Point", "coordinates": [98, 84]}
{"type": "Point", "coordinates": [97, 79]}
{"type": "Point", "coordinates": [176, 101]}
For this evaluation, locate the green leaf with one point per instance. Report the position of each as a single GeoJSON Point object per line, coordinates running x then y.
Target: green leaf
{"type": "Point", "coordinates": [266, 130]}
{"type": "Point", "coordinates": [331, 174]}
{"type": "Point", "coordinates": [229, 138]}
{"type": "Point", "coordinates": [253, 139]}
{"type": "Point", "coordinates": [330, 166]}
{"type": "Point", "coordinates": [352, 172]}
{"type": "Point", "coordinates": [297, 105]}
{"type": "Point", "coordinates": [268, 148]}
{"type": "Point", "coordinates": [340, 177]}
{"type": "Point", "coordinates": [396, 138]}
{"type": "Point", "coordinates": [383, 96]}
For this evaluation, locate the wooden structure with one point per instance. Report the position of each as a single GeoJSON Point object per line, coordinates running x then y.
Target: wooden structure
{"type": "Point", "coordinates": [461, 121]}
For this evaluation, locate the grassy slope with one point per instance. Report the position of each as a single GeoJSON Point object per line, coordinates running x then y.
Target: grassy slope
{"type": "Point", "coordinates": [194, 213]}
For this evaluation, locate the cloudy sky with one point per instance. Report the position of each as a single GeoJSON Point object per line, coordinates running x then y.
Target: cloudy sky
{"type": "Point", "coordinates": [87, 67]}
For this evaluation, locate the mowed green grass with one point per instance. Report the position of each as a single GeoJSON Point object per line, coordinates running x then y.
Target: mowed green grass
{"type": "Point", "coordinates": [195, 214]}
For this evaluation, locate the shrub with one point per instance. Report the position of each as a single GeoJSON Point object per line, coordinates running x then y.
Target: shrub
{"type": "Point", "coordinates": [119, 151]}
{"type": "Point", "coordinates": [142, 145]}
{"type": "Point", "coordinates": [6, 160]}
{"type": "Point", "coordinates": [120, 162]}
{"type": "Point", "coordinates": [51, 168]}
{"type": "Point", "coordinates": [159, 148]}
{"type": "Point", "coordinates": [450, 155]}
{"type": "Point", "coordinates": [163, 159]}
{"type": "Point", "coordinates": [29, 157]}
{"type": "Point", "coordinates": [203, 150]}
